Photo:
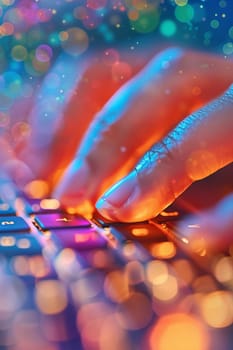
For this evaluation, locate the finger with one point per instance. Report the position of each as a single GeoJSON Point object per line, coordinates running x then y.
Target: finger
{"type": "Point", "coordinates": [210, 230]}
{"type": "Point", "coordinates": [71, 94]}
{"type": "Point", "coordinates": [48, 110]}
{"type": "Point", "coordinates": [141, 113]}
{"type": "Point", "coordinates": [201, 144]}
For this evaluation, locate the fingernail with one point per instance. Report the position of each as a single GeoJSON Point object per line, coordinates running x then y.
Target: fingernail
{"type": "Point", "coordinates": [111, 203]}
{"type": "Point", "coordinates": [75, 185]}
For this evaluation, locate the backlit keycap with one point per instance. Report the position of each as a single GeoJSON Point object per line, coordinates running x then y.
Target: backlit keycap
{"type": "Point", "coordinates": [80, 239]}
{"type": "Point", "coordinates": [59, 221]}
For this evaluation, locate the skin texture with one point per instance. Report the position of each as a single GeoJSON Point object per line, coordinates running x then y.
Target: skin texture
{"type": "Point", "coordinates": [197, 147]}
{"type": "Point", "coordinates": [132, 141]}
{"type": "Point", "coordinates": [177, 112]}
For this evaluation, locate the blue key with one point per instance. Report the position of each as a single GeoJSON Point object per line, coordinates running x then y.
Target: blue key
{"type": "Point", "coordinates": [13, 224]}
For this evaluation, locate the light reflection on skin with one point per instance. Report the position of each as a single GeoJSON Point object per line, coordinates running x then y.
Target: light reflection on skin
{"type": "Point", "coordinates": [161, 156]}
{"type": "Point", "coordinates": [154, 74]}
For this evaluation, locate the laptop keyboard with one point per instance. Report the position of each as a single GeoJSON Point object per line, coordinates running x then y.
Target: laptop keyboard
{"type": "Point", "coordinates": [70, 283]}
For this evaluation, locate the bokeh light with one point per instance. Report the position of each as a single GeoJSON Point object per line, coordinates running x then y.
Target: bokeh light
{"type": "Point", "coordinates": [223, 270]}
{"type": "Point", "coordinates": [51, 297]}
{"type": "Point", "coordinates": [168, 28]}
{"type": "Point", "coordinates": [74, 41]}
{"type": "Point", "coordinates": [19, 53]}
{"type": "Point", "coordinates": [214, 24]}
{"type": "Point", "coordinates": [116, 286]}
{"type": "Point", "coordinates": [217, 309]}
{"type": "Point", "coordinates": [181, 2]}
{"type": "Point", "coordinates": [147, 20]}
{"type": "Point", "coordinates": [179, 332]}
{"type": "Point", "coordinates": [37, 189]}
{"type": "Point", "coordinates": [167, 290]}
{"type": "Point", "coordinates": [184, 14]}
{"type": "Point", "coordinates": [44, 53]}
{"type": "Point", "coordinates": [96, 4]}
{"type": "Point", "coordinates": [163, 250]}
{"type": "Point", "coordinates": [7, 28]}
{"type": "Point", "coordinates": [228, 48]}
{"type": "Point", "coordinates": [113, 303]}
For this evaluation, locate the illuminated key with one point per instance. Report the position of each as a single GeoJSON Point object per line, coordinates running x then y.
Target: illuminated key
{"type": "Point", "coordinates": [13, 224]}
{"type": "Point", "coordinates": [80, 239]}
{"type": "Point", "coordinates": [59, 221]}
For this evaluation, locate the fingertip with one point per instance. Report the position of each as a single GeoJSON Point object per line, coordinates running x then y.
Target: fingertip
{"type": "Point", "coordinates": [107, 210]}
{"type": "Point", "coordinates": [112, 205]}
{"type": "Point", "coordinates": [125, 201]}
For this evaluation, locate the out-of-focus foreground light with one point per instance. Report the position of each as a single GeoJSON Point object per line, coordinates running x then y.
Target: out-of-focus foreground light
{"type": "Point", "coordinates": [163, 250]}
{"type": "Point", "coordinates": [164, 284]}
{"type": "Point", "coordinates": [224, 270]}
{"type": "Point", "coordinates": [217, 309]}
{"type": "Point", "coordinates": [37, 189]}
{"type": "Point", "coordinates": [178, 332]}
{"type": "Point", "coordinates": [50, 297]}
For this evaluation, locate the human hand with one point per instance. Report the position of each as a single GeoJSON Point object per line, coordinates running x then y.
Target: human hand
{"type": "Point", "coordinates": [175, 82]}
{"type": "Point", "coordinates": [148, 114]}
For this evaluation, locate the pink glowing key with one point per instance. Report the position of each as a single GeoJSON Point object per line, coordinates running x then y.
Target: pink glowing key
{"type": "Point", "coordinates": [60, 220]}
{"type": "Point", "coordinates": [80, 239]}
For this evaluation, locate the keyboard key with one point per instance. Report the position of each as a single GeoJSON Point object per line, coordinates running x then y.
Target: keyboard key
{"type": "Point", "coordinates": [13, 224]}
{"type": "Point", "coordinates": [142, 232]}
{"type": "Point", "coordinates": [80, 239]}
{"type": "Point", "coordinates": [59, 221]}
{"type": "Point", "coordinates": [173, 213]}
{"type": "Point", "coordinates": [20, 244]}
